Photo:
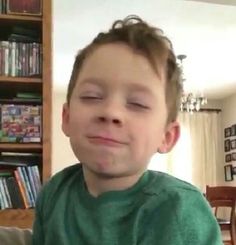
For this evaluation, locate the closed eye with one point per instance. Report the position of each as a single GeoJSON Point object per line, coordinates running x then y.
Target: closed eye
{"type": "Point", "coordinates": [138, 105]}
{"type": "Point", "coordinates": [90, 98]}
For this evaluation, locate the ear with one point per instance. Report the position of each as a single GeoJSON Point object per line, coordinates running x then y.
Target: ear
{"type": "Point", "coordinates": [65, 119]}
{"type": "Point", "coordinates": [170, 138]}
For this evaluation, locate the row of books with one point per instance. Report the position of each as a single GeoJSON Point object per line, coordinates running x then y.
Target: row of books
{"type": "Point", "coordinates": [20, 123]}
{"type": "Point", "coordinates": [21, 7]}
{"type": "Point", "coordinates": [19, 188]}
{"type": "Point", "coordinates": [20, 59]}
{"type": "Point", "coordinates": [14, 97]}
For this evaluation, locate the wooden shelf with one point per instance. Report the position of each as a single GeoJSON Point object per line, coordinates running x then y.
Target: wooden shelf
{"type": "Point", "coordinates": [22, 218]}
{"type": "Point", "coordinates": [7, 22]}
{"type": "Point", "coordinates": [20, 79]}
{"type": "Point", "coordinates": [21, 147]}
{"type": "Point", "coordinates": [16, 17]}
{"type": "Point", "coordinates": [10, 86]}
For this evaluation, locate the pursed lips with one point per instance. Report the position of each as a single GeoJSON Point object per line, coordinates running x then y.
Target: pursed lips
{"type": "Point", "coordinates": [103, 140]}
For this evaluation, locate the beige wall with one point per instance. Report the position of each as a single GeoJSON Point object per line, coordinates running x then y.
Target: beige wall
{"type": "Point", "coordinates": [62, 155]}
{"type": "Point", "coordinates": [213, 104]}
{"type": "Point", "coordinates": [228, 119]}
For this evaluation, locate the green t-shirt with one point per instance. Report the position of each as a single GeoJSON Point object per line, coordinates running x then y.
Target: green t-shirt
{"type": "Point", "coordinates": [158, 209]}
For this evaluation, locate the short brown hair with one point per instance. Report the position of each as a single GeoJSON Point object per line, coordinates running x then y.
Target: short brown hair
{"type": "Point", "coordinates": [148, 40]}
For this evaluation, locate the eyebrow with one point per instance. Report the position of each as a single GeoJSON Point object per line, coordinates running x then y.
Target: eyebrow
{"type": "Point", "coordinates": [140, 88]}
{"type": "Point", "coordinates": [132, 86]}
{"type": "Point", "coordinates": [95, 81]}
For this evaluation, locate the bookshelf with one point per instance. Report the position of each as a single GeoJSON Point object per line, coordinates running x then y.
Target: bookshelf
{"type": "Point", "coordinates": [23, 218]}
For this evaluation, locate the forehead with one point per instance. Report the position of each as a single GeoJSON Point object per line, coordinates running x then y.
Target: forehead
{"type": "Point", "coordinates": [118, 61]}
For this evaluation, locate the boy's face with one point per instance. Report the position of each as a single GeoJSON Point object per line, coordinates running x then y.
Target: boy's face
{"type": "Point", "coordinates": [117, 115]}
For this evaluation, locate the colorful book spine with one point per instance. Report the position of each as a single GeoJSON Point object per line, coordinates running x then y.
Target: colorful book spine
{"type": "Point", "coordinates": [22, 189]}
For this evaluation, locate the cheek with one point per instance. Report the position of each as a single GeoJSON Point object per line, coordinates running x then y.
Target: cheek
{"type": "Point", "coordinates": [149, 136]}
{"type": "Point", "coordinates": [78, 117]}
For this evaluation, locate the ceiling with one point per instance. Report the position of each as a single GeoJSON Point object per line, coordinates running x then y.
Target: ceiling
{"type": "Point", "coordinates": [204, 30]}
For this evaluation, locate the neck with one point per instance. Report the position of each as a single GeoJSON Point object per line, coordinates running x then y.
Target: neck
{"type": "Point", "coordinates": [101, 183]}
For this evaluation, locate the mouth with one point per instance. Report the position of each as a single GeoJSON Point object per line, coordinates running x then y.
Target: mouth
{"type": "Point", "coordinates": [100, 140]}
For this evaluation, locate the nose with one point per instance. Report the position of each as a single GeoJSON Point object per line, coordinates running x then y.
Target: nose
{"type": "Point", "coordinates": [111, 111]}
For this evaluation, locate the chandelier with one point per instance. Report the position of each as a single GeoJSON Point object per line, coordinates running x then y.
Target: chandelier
{"type": "Point", "coordinates": [190, 102]}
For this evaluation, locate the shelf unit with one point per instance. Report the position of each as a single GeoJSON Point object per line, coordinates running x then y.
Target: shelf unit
{"type": "Point", "coordinates": [23, 218]}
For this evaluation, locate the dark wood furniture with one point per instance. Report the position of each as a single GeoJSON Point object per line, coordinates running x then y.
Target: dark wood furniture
{"type": "Point", "coordinates": [224, 197]}
{"type": "Point", "coordinates": [23, 218]}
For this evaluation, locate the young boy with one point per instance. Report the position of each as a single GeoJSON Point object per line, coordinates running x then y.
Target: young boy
{"type": "Point", "coordinates": [122, 103]}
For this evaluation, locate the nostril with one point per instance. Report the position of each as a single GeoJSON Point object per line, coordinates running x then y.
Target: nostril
{"type": "Point", "coordinates": [116, 121]}
{"type": "Point", "coordinates": [102, 119]}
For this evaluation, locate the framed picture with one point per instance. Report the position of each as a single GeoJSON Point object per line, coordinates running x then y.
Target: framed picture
{"type": "Point", "coordinates": [228, 172]}
{"type": "Point", "coordinates": [227, 132]}
{"type": "Point", "coordinates": [233, 130]}
{"type": "Point", "coordinates": [233, 144]}
{"type": "Point", "coordinates": [233, 156]}
{"type": "Point", "coordinates": [228, 157]}
{"type": "Point", "coordinates": [227, 145]}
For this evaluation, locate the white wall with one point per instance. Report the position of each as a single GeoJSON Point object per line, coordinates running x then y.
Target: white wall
{"type": "Point", "coordinates": [62, 155]}
{"type": "Point", "coordinates": [228, 119]}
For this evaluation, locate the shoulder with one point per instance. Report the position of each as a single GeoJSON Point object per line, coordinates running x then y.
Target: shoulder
{"type": "Point", "coordinates": [182, 208]}
{"type": "Point", "coordinates": [180, 196]}
{"type": "Point", "coordinates": [164, 184]}
{"type": "Point", "coordinates": [60, 183]}
{"type": "Point", "coordinates": [64, 177]}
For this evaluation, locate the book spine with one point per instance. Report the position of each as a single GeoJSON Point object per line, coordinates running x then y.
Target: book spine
{"type": "Point", "coordinates": [12, 194]}
{"type": "Point", "coordinates": [20, 201]}
{"type": "Point", "coordinates": [4, 7]}
{"type": "Point", "coordinates": [17, 201]}
{"type": "Point", "coordinates": [40, 59]}
{"type": "Point", "coordinates": [3, 194]}
{"type": "Point", "coordinates": [20, 62]}
{"type": "Point", "coordinates": [1, 73]}
{"type": "Point", "coordinates": [6, 58]}
{"type": "Point", "coordinates": [30, 59]}
{"type": "Point", "coordinates": [29, 190]}
{"type": "Point", "coordinates": [34, 59]}
{"type": "Point", "coordinates": [22, 188]}
{"type": "Point", "coordinates": [1, 199]}
{"type": "Point", "coordinates": [32, 183]}
{"type": "Point", "coordinates": [9, 203]}
{"type": "Point", "coordinates": [37, 178]}
{"type": "Point", "coordinates": [23, 181]}
{"type": "Point", "coordinates": [13, 59]}
{"type": "Point", "coordinates": [17, 61]}
{"type": "Point", "coordinates": [24, 59]}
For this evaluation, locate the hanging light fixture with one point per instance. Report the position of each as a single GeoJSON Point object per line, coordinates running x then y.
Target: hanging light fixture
{"type": "Point", "coordinates": [190, 102]}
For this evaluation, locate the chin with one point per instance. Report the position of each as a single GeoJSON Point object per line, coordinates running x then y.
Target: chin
{"type": "Point", "coordinates": [105, 170]}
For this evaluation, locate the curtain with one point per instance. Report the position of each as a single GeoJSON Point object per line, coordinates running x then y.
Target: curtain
{"type": "Point", "coordinates": [198, 153]}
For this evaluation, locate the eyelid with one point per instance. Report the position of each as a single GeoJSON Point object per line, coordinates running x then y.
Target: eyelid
{"type": "Point", "coordinates": [139, 104]}
{"type": "Point", "coordinates": [90, 97]}
{"type": "Point", "coordinates": [90, 93]}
